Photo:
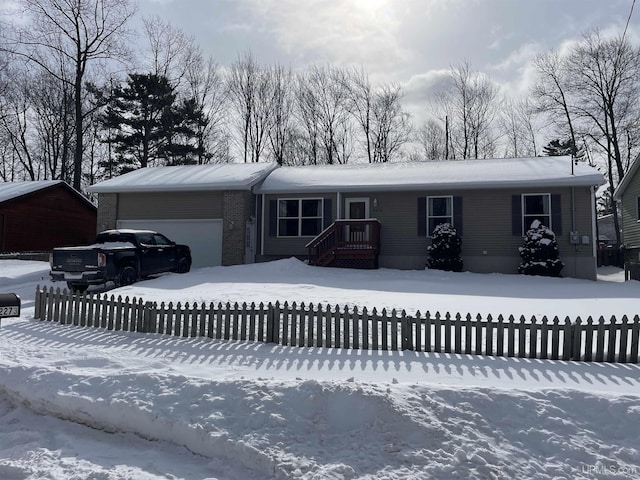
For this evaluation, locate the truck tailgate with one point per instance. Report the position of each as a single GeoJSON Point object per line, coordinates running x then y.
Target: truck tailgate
{"type": "Point", "coordinates": [74, 260]}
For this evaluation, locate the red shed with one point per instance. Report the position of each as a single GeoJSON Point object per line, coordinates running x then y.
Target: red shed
{"type": "Point", "coordinates": [41, 215]}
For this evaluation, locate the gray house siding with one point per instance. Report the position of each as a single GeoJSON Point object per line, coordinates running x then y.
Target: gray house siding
{"type": "Point", "coordinates": [234, 207]}
{"type": "Point", "coordinates": [630, 223]}
{"type": "Point", "coordinates": [488, 240]}
{"type": "Point", "coordinates": [159, 205]}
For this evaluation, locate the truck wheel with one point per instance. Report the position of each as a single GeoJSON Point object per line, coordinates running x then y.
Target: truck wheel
{"type": "Point", "coordinates": [77, 288]}
{"type": "Point", "coordinates": [128, 275]}
{"type": "Point", "coordinates": [184, 265]}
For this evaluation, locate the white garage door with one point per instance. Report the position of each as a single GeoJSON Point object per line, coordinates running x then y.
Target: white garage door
{"type": "Point", "coordinates": [203, 236]}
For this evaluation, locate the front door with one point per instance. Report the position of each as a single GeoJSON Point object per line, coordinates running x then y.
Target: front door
{"type": "Point", "coordinates": [357, 209]}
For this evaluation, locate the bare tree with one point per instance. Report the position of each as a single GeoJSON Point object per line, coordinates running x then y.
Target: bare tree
{"type": "Point", "coordinates": [77, 33]}
{"type": "Point", "coordinates": [205, 84]}
{"type": "Point", "coordinates": [470, 104]}
{"type": "Point", "coordinates": [16, 125]}
{"type": "Point", "coordinates": [307, 114]}
{"type": "Point", "coordinates": [432, 139]}
{"type": "Point", "coordinates": [383, 124]}
{"type": "Point", "coordinates": [250, 95]}
{"type": "Point", "coordinates": [281, 132]}
{"type": "Point", "coordinates": [361, 100]}
{"type": "Point", "coordinates": [517, 122]}
{"type": "Point", "coordinates": [392, 129]}
{"type": "Point", "coordinates": [323, 101]}
{"type": "Point", "coordinates": [603, 79]}
{"type": "Point", "coordinates": [550, 92]}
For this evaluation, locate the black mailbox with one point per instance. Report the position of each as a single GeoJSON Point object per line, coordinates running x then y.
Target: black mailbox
{"type": "Point", "coordinates": [9, 305]}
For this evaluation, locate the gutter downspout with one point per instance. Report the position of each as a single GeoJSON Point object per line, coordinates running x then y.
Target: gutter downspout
{"type": "Point", "coordinates": [594, 227]}
{"type": "Point", "coordinates": [261, 226]}
{"type": "Point", "coordinates": [573, 225]}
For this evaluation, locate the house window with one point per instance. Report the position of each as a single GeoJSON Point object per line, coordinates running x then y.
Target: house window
{"type": "Point", "coordinates": [300, 217]}
{"type": "Point", "coordinates": [439, 210]}
{"type": "Point", "coordinates": [536, 207]}
{"type": "Point", "coordinates": [638, 209]}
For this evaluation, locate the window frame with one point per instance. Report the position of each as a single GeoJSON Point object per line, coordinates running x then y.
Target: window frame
{"type": "Point", "coordinates": [523, 213]}
{"type": "Point", "coordinates": [451, 217]}
{"type": "Point", "coordinates": [299, 218]}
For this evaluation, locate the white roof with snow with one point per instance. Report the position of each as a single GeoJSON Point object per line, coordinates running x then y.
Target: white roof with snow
{"type": "Point", "coordinates": [11, 190]}
{"type": "Point", "coordinates": [455, 174]}
{"type": "Point", "coordinates": [217, 176]}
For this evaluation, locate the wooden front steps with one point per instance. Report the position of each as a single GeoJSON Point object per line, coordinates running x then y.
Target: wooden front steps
{"type": "Point", "coordinates": [347, 244]}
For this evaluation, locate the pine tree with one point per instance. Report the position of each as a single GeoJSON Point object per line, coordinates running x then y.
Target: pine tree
{"type": "Point", "coordinates": [540, 252]}
{"type": "Point", "coordinates": [444, 252]}
{"type": "Point", "coordinates": [147, 125]}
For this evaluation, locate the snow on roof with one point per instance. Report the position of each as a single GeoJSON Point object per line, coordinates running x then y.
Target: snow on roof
{"type": "Point", "coordinates": [460, 174]}
{"type": "Point", "coordinates": [218, 176]}
{"type": "Point", "coordinates": [11, 190]}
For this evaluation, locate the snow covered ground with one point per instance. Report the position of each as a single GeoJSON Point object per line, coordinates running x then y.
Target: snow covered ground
{"type": "Point", "coordinates": [78, 403]}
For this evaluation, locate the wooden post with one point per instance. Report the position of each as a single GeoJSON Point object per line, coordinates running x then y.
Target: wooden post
{"type": "Point", "coordinates": [447, 333]}
{"type": "Point", "coordinates": [488, 339]}
{"type": "Point", "coordinates": [522, 337]}
{"type": "Point", "coordinates": [417, 343]}
{"type": "Point", "coordinates": [479, 329]}
{"type": "Point", "coordinates": [600, 340]}
{"type": "Point", "coordinates": [555, 339]}
{"type": "Point", "coordinates": [511, 328]}
{"type": "Point", "coordinates": [500, 336]}
{"type": "Point", "coordinates": [457, 348]}
{"type": "Point", "coordinates": [611, 348]}
{"type": "Point", "coordinates": [635, 337]}
{"type": "Point", "coordinates": [624, 332]}
{"type": "Point", "coordinates": [576, 347]}
{"type": "Point", "coordinates": [438, 333]}
{"type": "Point", "coordinates": [544, 338]}
{"type": "Point", "coordinates": [427, 332]}
{"type": "Point", "coordinates": [568, 339]}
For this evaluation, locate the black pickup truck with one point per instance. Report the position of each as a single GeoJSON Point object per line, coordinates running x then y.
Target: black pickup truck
{"type": "Point", "coordinates": [120, 256]}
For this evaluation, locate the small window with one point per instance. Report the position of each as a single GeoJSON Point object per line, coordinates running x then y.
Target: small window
{"type": "Point", "coordinates": [299, 217]}
{"type": "Point", "coordinates": [161, 239]}
{"type": "Point", "coordinates": [536, 207]}
{"type": "Point", "coordinates": [638, 209]}
{"type": "Point", "coordinates": [439, 210]}
{"type": "Point", "coordinates": [146, 239]}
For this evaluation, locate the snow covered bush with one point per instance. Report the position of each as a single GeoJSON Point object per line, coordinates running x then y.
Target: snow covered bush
{"type": "Point", "coordinates": [444, 252]}
{"type": "Point", "coordinates": [540, 252]}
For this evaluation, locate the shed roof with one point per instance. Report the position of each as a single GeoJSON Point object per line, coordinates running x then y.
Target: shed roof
{"type": "Point", "coordinates": [13, 190]}
{"type": "Point", "coordinates": [217, 176]}
{"type": "Point", "coordinates": [460, 174]}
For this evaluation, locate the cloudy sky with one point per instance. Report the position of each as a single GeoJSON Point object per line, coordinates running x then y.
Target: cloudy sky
{"type": "Point", "coordinates": [412, 42]}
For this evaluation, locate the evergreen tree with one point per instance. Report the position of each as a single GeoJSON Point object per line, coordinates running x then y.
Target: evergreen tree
{"type": "Point", "coordinates": [557, 148]}
{"type": "Point", "coordinates": [540, 252]}
{"type": "Point", "coordinates": [444, 252]}
{"type": "Point", "coordinates": [146, 125]}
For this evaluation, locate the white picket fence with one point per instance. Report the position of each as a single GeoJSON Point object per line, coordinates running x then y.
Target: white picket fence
{"type": "Point", "coordinates": [308, 325]}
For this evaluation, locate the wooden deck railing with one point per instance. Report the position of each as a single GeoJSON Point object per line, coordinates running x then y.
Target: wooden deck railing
{"type": "Point", "coordinates": [349, 239]}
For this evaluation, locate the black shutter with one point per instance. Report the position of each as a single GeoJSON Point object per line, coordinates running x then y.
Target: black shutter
{"type": "Point", "coordinates": [556, 214]}
{"type": "Point", "coordinates": [422, 216]}
{"type": "Point", "coordinates": [327, 213]}
{"type": "Point", "coordinates": [273, 218]}
{"type": "Point", "coordinates": [457, 215]}
{"type": "Point", "coordinates": [516, 215]}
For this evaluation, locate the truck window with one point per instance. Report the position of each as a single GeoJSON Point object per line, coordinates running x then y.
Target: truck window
{"type": "Point", "coordinates": [161, 239]}
{"type": "Point", "coordinates": [146, 239]}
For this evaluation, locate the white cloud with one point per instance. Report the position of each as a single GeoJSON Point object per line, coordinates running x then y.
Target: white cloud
{"type": "Point", "coordinates": [347, 32]}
